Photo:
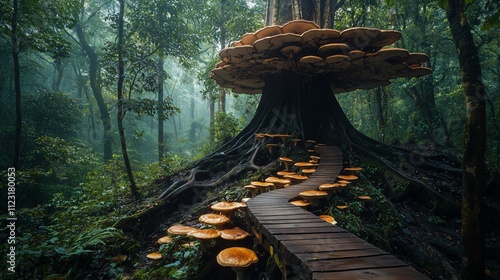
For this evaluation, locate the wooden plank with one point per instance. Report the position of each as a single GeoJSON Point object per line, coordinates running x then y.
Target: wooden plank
{"type": "Point", "coordinates": [298, 225]}
{"type": "Point", "coordinates": [278, 231]}
{"type": "Point", "coordinates": [318, 256]}
{"type": "Point", "coordinates": [340, 234]}
{"type": "Point", "coordinates": [328, 248]}
{"type": "Point", "coordinates": [393, 273]}
{"type": "Point", "coordinates": [370, 262]}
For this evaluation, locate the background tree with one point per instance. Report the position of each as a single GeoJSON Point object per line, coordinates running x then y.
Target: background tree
{"type": "Point", "coordinates": [475, 142]}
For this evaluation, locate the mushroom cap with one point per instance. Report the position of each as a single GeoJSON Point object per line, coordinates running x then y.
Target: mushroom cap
{"type": "Point", "coordinates": [205, 234]}
{"type": "Point", "coordinates": [311, 194]}
{"type": "Point", "coordinates": [348, 177]}
{"type": "Point", "coordinates": [303, 164]}
{"type": "Point", "coordinates": [237, 257]}
{"type": "Point", "coordinates": [300, 203]}
{"type": "Point", "coordinates": [308, 170]}
{"type": "Point", "coordinates": [154, 256]}
{"type": "Point", "coordinates": [364, 197]}
{"type": "Point", "coordinates": [341, 207]}
{"type": "Point", "coordinates": [225, 206]}
{"type": "Point", "coordinates": [284, 173]}
{"type": "Point", "coordinates": [180, 229]}
{"type": "Point", "coordinates": [262, 184]}
{"type": "Point", "coordinates": [277, 180]}
{"type": "Point", "coordinates": [213, 219]}
{"type": "Point", "coordinates": [353, 169]}
{"type": "Point", "coordinates": [351, 59]}
{"type": "Point", "coordinates": [328, 219]}
{"type": "Point", "coordinates": [296, 177]}
{"type": "Point", "coordinates": [233, 234]}
{"type": "Point", "coordinates": [286, 159]}
{"type": "Point", "coordinates": [330, 186]}
{"type": "Point", "coordinates": [164, 240]}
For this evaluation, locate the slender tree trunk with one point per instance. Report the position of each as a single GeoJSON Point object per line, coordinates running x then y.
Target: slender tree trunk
{"type": "Point", "coordinates": [161, 79]}
{"type": "Point", "coordinates": [95, 85]}
{"type": "Point", "coordinates": [222, 41]}
{"type": "Point", "coordinates": [82, 88]}
{"type": "Point", "coordinates": [17, 86]}
{"type": "Point", "coordinates": [120, 115]}
{"type": "Point", "coordinates": [56, 82]}
{"type": "Point", "coordinates": [473, 266]}
{"type": "Point", "coordinates": [212, 118]}
{"type": "Point", "coordinates": [380, 114]}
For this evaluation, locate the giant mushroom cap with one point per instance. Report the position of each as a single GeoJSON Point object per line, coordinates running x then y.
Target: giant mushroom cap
{"type": "Point", "coordinates": [355, 58]}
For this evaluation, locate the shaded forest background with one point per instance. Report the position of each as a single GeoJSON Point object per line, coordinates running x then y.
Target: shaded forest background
{"type": "Point", "coordinates": [72, 136]}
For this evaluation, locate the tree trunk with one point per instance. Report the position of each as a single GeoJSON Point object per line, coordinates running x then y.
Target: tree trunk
{"type": "Point", "coordinates": [56, 82]}
{"type": "Point", "coordinates": [17, 85]}
{"type": "Point", "coordinates": [161, 79]}
{"type": "Point", "coordinates": [222, 41]}
{"type": "Point", "coordinates": [473, 266]}
{"type": "Point", "coordinates": [96, 90]}
{"type": "Point", "coordinates": [380, 113]}
{"type": "Point", "coordinates": [212, 118]}
{"type": "Point", "coordinates": [120, 115]}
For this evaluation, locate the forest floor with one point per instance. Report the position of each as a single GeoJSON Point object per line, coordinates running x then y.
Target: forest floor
{"type": "Point", "coordinates": [430, 243]}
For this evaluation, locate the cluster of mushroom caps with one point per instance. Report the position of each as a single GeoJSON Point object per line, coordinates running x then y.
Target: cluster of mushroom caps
{"type": "Point", "coordinates": [350, 59]}
{"type": "Point", "coordinates": [285, 178]}
{"type": "Point", "coordinates": [313, 197]}
{"type": "Point", "coordinates": [236, 257]}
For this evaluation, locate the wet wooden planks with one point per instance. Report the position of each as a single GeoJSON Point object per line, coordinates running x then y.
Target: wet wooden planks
{"type": "Point", "coordinates": [315, 249]}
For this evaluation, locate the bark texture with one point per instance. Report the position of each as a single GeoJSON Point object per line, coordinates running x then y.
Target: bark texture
{"type": "Point", "coordinates": [473, 266]}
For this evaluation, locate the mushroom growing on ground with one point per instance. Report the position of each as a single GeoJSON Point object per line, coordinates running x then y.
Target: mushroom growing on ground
{"type": "Point", "coordinates": [278, 182]}
{"type": "Point", "coordinates": [348, 177]}
{"type": "Point", "coordinates": [329, 219]}
{"type": "Point", "coordinates": [226, 208]}
{"type": "Point", "coordinates": [214, 219]}
{"type": "Point", "coordinates": [164, 240]}
{"type": "Point", "coordinates": [313, 196]}
{"type": "Point", "coordinates": [238, 258]}
{"type": "Point", "coordinates": [233, 234]}
{"type": "Point", "coordinates": [301, 203]}
{"type": "Point", "coordinates": [286, 161]}
{"type": "Point", "coordinates": [180, 229]}
{"type": "Point", "coordinates": [154, 256]}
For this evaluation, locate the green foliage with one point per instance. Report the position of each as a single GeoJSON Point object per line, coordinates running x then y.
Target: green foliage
{"type": "Point", "coordinates": [225, 127]}
{"type": "Point", "coordinates": [41, 24]}
{"type": "Point", "coordinates": [52, 113]}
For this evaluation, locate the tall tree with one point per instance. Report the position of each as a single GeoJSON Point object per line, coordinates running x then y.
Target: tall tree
{"type": "Point", "coordinates": [95, 82]}
{"type": "Point", "coordinates": [473, 266]}
{"type": "Point", "coordinates": [120, 114]}
{"type": "Point", "coordinates": [17, 84]}
{"type": "Point", "coordinates": [34, 26]}
{"type": "Point", "coordinates": [222, 42]}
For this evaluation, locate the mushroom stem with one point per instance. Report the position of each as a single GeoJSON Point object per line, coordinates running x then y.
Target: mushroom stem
{"type": "Point", "coordinates": [240, 272]}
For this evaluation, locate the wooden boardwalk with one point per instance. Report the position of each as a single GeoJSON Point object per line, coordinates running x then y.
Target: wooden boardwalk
{"type": "Point", "coordinates": [297, 239]}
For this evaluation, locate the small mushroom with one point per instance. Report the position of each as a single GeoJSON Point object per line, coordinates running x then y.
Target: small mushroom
{"type": "Point", "coordinates": [348, 177]}
{"type": "Point", "coordinates": [164, 240]}
{"type": "Point", "coordinates": [278, 182]}
{"type": "Point", "coordinates": [253, 189]}
{"type": "Point", "coordinates": [214, 219]}
{"type": "Point", "coordinates": [301, 203]}
{"type": "Point", "coordinates": [154, 256]}
{"type": "Point", "coordinates": [226, 208]}
{"type": "Point", "coordinates": [313, 196]}
{"type": "Point", "coordinates": [302, 164]}
{"type": "Point", "coordinates": [271, 147]}
{"type": "Point", "coordinates": [284, 173]}
{"type": "Point", "coordinates": [263, 186]}
{"type": "Point", "coordinates": [238, 258]}
{"type": "Point", "coordinates": [329, 219]}
{"type": "Point", "coordinates": [363, 199]}
{"type": "Point", "coordinates": [296, 178]}
{"type": "Point", "coordinates": [286, 161]}
{"type": "Point", "coordinates": [180, 229]}
{"type": "Point", "coordinates": [233, 234]}
{"type": "Point", "coordinates": [308, 171]}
